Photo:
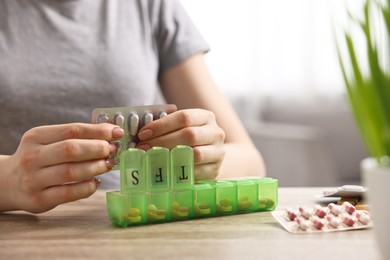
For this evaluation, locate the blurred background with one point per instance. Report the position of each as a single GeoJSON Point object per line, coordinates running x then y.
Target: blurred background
{"type": "Point", "coordinates": [277, 63]}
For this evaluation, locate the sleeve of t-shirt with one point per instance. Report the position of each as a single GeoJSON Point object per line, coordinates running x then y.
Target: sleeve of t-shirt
{"type": "Point", "coordinates": [176, 36]}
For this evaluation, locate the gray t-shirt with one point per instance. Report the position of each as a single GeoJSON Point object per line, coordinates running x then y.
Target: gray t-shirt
{"type": "Point", "coordinates": [60, 59]}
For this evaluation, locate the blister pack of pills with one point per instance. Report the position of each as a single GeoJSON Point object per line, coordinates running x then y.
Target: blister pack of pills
{"type": "Point", "coordinates": [131, 120]}
{"type": "Point", "coordinates": [321, 219]}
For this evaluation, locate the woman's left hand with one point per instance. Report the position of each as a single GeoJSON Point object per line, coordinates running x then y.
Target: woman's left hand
{"type": "Point", "coordinates": [193, 127]}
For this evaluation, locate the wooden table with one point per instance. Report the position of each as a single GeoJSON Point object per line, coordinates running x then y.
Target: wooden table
{"type": "Point", "coordinates": [81, 230]}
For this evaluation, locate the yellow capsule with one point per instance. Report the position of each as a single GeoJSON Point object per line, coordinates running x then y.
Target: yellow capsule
{"type": "Point", "coordinates": [226, 208]}
{"type": "Point", "coordinates": [152, 207]}
{"type": "Point", "coordinates": [204, 209]}
{"type": "Point", "coordinates": [183, 212]}
{"type": "Point", "coordinates": [244, 197]}
{"type": "Point", "coordinates": [134, 212]}
{"type": "Point", "coordinates": [175, 205]}
{"type": "Point", "coordinates": [242, 205]}
{"type": "Point", "coordinates": [225, 202]}
{"type": "Point", "coordinates": [265, 203]}
{"type": "Point", "coordinates": [135, 219]}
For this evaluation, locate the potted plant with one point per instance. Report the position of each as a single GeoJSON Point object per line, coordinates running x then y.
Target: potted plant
{"type": "Point", "coordinates": [367, 80]}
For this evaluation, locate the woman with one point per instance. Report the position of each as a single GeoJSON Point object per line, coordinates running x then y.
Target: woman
{"type": "Point", "coordinates": [59, 59]}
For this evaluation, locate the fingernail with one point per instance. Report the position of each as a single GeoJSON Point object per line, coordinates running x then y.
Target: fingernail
{"type": "Point", "coordinates": [110, 163]}
{"type": "Point", "coordinates": [117, 132]}
{"type": "Point", "coordinates": [144, 147]}
{"type": "Point", "coordinates": [112, 148]}
{"type": "Point", "coordinates": [145, 134]}
{"type": "Point", "coordinates": [97, 182]}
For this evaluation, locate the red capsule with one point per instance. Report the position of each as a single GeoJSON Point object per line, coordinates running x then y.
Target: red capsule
{"type": "Point", "coordinates": [304, 213]}
{"type": "Point", "coordinates": [302, 223]}
{"type": "Point", "coordinates": [333, 221]}
{"type": "Point", "coordinates": [319, 211]}
{"type": "Point", "coordinates": [349, 208]}
{"type": "Point", "coordinates": [363, 218]}
{"type": "Point", "coordinates": [318, 223]}
{"type": "Point", "coordinates": [348, 220]}
{"type": "Point", "coordinates": [291, 214]}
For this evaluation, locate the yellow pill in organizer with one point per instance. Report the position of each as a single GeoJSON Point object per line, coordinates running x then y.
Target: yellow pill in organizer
{"type": "Point", "coordinates": [203, 209]}
{"type": "Point", "coordinates": [244, 204]}
{"type": "Point", "coordinates": [136, 219]}
{"type": "Point", "coordinates": [134, 212]}
{"type": "Point", "coordinates": [266, 203]}
{"type": "Point", "coordinates": [160, 214]}
{"type": "Point", "coordinates": [183, 212]}
{"type": "Point", "coordinates": [175, 205]}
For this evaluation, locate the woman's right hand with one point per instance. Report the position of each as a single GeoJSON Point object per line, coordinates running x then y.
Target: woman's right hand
{"type": "Point", "coordinates": [56, 164]}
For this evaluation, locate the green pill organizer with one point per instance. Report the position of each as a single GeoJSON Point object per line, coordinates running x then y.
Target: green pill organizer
{"type": "Point", "coordinates": [158, 185]}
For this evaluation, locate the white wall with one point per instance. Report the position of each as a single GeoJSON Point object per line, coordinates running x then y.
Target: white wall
{"type": "Point", "coordinates": [283, 47]}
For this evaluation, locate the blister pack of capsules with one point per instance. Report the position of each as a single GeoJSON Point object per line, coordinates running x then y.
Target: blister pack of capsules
{"type": "Point", "coordinates": [321, 219]}
{"type": "Point", "coordinates": [131, 120]}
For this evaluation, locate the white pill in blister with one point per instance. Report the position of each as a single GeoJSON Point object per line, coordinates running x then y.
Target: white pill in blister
{"type": "Point", "coordinates": [119, 120]}
{"type": "Point", "coordinates": [333, 221]}
{"type": "Point", "coordinates": [291, 214]}
{"type": "Point", "coordinates": [162, 114]}
{"type": "Point", "coordinates": [348, 207]}
{"type": "Point", "coordinates": [335, 209]}
{"type": "Point", "coordinates": [102, 118]}
{"type": "Point", "coordinates": [302, 223]}
{"type": "Point", "coordinates": [319, 211]}
{"type": "Point", "coordinates": [148, 118]}
{"type": "Point", "coordinates": [363, 218]}
{"type": "Point", "coordinates": [131, 144]}
{"type": "Point", "coordinates": [304, 212]}
{"type": "Point", "coordinates": [134, 123]}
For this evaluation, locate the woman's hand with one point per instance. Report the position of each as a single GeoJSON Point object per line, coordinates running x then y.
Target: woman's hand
{"type": "Point", "coordinates": [56, 164]}
{"type": "Point", "coordinates": [193, 127]}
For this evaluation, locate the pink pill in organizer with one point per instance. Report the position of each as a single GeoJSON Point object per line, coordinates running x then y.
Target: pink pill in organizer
{"type": "Point", "coordinates": [363, 218]}
{"type": "Point", "coordinates": [319, 211]}
{"type": "Point", "coordinates": [335, 209]}
{"type": "Point", "coordinates": [348, 207]}
{"type": "Point", "coordinates": [304, 212]}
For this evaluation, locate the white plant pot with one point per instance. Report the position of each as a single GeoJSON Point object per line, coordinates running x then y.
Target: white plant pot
{"type": "Point", "coordinates": [377, 179]}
